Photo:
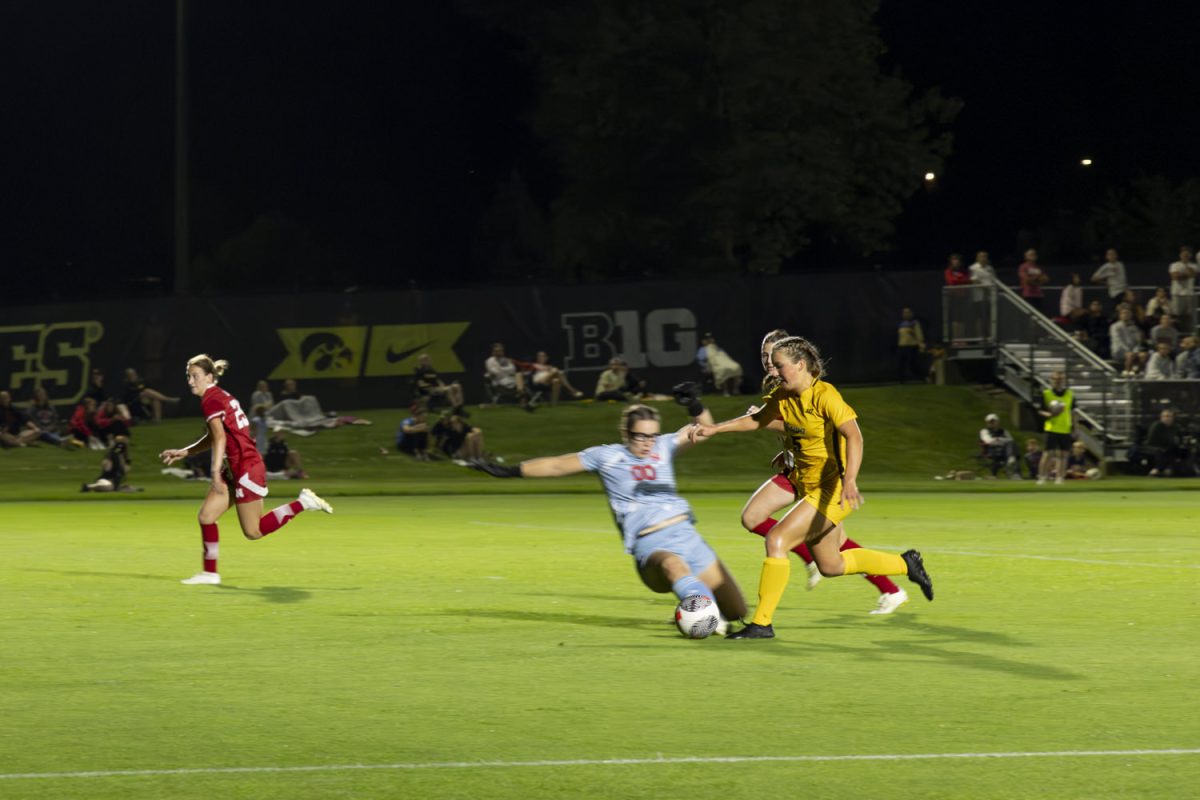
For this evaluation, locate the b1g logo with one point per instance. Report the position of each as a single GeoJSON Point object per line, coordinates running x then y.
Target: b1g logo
{"type": "Point", "coordinates": [595, 337]}
{"type": "Point", "coordinates": [55, 356]}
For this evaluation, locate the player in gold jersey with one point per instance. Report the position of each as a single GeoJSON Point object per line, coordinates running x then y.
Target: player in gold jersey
{"type": "Point", "coordinates": [827, 447]}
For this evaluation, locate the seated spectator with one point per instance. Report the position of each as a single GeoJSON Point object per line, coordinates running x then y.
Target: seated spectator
{"type": "Point", "coordinates": [136, 396]}
{"type": "Point", "coordinates": [16, 429]}
{"type": "Point", "coordinates": [502, 373]}
{"type": "Point", "coordinates": [262, 395]}
{"type": "Point", "coordinates": [456, 438]}
{"type": "Point", "coordinates": [1164, 444]}
{"type": "Point", "coordinates": [96, 389]}
{"type": "Point", "coordinates": [413, 435]}
{"type": "Point", "coordinates": [611, 383]}
{"type": "Point", "coordinates": [282, 461]}
{"type": "Point", "coordinates": [1033, 456]}
{"type": "Point", "coordinates": [302, 414]}
{"type": "Point", "coordinates": [1165, 331]}
{"type": "Point", "coordinates": [1187, 361]}
{"type": "Point", "coordinates": [1130, 298]}
{"type": "Point", "coordinates": [1126, 339]}
{"type": "Point", "coordinates": [1161, 366]}
{"type": "Point", "coordinates": [45, 416]}
{"type": "Point", "coordinates": [726, 373]}
{"type": "Point", "coordinates": [1095, 325]}
{"type": "Point", "coordinates": [290, 390]}
{"type": "Point", "coordinates": [429, 385]}
{"type": "Point", "coordinates": [83, 423]}
{"type": "Point", "coordinates": [113, 469]}
{"type": "Point", "coordinates": [1080, 465]}
{"type": "Point", "coordinates": [111, 420]}
{"type": "Point", "coordinates": [548, 376]}
{"type": "Point", "coordinates": [634, 385]}
{"type": "Point", "coordinates": [999, 448]}
{"type": "Point", "coordinates": [1159, 304]}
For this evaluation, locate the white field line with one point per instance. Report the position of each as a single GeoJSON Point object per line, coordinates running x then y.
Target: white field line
{"type": "Point", "coordinates": [600, 762]}
{"type": "Point", "coordinates": [978, 554]}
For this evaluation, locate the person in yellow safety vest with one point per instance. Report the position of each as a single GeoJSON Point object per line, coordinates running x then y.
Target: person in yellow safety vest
{"type": "Point", "coordinates": [1058, 413]}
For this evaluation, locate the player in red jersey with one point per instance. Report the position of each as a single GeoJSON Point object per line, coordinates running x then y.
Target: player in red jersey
{"type": "Point", "coordinates": [229, 437]}
{"type": "Point", "coordinates": [778, 492]}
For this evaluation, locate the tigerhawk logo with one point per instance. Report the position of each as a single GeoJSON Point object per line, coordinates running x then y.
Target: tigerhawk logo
{"type": "Point", "coordinates": [370, 351]}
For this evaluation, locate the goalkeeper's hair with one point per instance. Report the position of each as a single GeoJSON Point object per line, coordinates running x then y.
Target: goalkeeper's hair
{"type": "Point", "coordinates": [205, 362]}
{"type": "Point", "coordinates": [798, 349]}
{"type": "Point", "coordinates": [636, 413]}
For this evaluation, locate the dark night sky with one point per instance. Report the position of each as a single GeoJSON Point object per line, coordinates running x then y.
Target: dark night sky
{"type": "Point", "coordinates": [383, 128]}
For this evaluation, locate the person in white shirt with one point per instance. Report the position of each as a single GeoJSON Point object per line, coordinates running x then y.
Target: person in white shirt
{"type": "Point", "coordinates": [983, 277]}
{"type": "Point", "coordinates": [1112, 273]}
{"type": "Point", "coordinates": [1126, 341]}
{"type": "Point", "coordinates": [1070, 305]}
{"type": "Point", "coordinates": [1183, 287]}
{"type": "Point", "coordinates": [1161, 366]}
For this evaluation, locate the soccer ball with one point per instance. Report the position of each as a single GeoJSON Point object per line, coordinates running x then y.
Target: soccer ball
{"type": "Point", "coordinates": [697, 616]}
{"type": "Point", "coordinates": [1056, 407]}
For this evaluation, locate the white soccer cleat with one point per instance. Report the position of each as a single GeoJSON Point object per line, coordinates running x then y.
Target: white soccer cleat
{"type": "Point", "coordinates": [310, 501]}
{"type": "Point", "coordinates": [890, 602]}
{"type": "Point", "coordinates": [204, 579]}
{"type": "Point", "coordinates": [814, 576]}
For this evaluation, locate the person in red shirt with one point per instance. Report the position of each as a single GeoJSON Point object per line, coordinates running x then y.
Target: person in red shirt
{"type": "Point", "coordinates": [1032, 278]}
{"type": "Point", "coordinates": [229, 437]}
{"type": "Point", "coordinates": [956, 274]}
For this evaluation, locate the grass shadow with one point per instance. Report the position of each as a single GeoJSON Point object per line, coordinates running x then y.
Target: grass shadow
{"type": "Point", "coordinates": [594, 620]}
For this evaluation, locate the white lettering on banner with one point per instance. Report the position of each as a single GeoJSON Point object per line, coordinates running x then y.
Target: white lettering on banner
{"type": "Point", "coordinates": [595, 337]}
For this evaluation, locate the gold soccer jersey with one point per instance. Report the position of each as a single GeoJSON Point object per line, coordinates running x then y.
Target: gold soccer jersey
{"type": "Point", "coordinates": [811, 422]}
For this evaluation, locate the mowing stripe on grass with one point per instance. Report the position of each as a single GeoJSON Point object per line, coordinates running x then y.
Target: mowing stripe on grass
{"type": "Point", "coordinates": [598, 762]}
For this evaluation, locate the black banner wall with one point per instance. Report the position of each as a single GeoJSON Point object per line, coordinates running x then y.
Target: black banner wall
{"type": "Point", "coordinates": [359, 350]}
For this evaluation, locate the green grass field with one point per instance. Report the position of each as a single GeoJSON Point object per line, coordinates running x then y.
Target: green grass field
{"type": "Point", "coordinates": [470, 645]}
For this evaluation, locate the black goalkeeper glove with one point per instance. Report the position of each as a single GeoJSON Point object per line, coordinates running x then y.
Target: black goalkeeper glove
{"type": "Point", "coordinates": [687, 394]}
{"type": "Point", "coordinates": [495, 470]}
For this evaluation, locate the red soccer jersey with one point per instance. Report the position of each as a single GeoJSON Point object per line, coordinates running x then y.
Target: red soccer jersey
{"type": "Point", "coordinates": [239, 444]}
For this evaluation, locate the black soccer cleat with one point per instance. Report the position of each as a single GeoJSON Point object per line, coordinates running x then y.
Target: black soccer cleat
{"type": "Point", "coordinates": [917, 573]}
{"type": "Point", "coordinates": [754, 631]}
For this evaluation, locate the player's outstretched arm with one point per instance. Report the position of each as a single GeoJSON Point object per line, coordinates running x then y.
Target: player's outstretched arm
{"type": "Point", "coordinates": [551, 467]}
{"type": "Point", "coordinates": [687, 394]}
{"type": "Point", "coordinates": [169, 457]}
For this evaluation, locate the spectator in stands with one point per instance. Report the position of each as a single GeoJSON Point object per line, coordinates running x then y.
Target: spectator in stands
{"type": "Point", "coordinates": [1112, 274]}
{"type": "Point", "coordinates": [726, 373]}
{"type": "Point", "coordinates": [1095, 326]}
{"type": "Point", "coordinates": [1159, 304]}
{"type": "Point", "coordinates": [956, 274]}
{"type": "Point", "coordinates": [999, 448]}
{"type": "Point", "coordinates": [1127, 342]}
{"type": "Point", "coordinates": [1080, 465]}
{"type": "Point", "coordinates": [413, 435]}
{"type": "Point", "coordinates": [16, 429]}
{"type": "Point", "coordinates": [45, 416]}
{"type": "Point", "coordinates": [1165, 331]}
{"type": "Point", "coordinates": [983, 276]}
{"type": "Point", "coordinates": [1070, 304]}
{"type": "Point", "coordinates": [1187, 361]}
{"type": "Point", "coordinates": [282, 461]}
{"type": "Point", "coordinates": [111, 420]}
{"type": "Point", "coordinates": [547, 376]}
{"type": "Point", "coordinates": [1183, 288]}
{"type": "Point", "coordinates": [429, 385]}
{"type": "Point", "coordinates": [96, 389]}
{"type": "Point", "coordinates": [1033, 456]}
{"type": "Point", "coordinates": [457, 438]}
{"type": "Point", "coordinates": [1130, 299]}
{"type": "Point", "coordinates": [910, 343]}
{"type": "Point", "coordinates": [83, 422]}
{"type": "Point", "coordinates": [1032, 279]}
{"type": "Point", "coordinates": [136, 396]}
{"type": "Point", "coordinates": [611, 383]}
{"type": "Point", "coordinates": [502, 373]}
{"type": "Point", "coordinates": [262, 396]}
{"type": "Point", "coordinates": [290, 390]}
{"type": "Point", "coordinates": [1165, 445]}
{"type": "Point", "coordinates": [1161, 366]}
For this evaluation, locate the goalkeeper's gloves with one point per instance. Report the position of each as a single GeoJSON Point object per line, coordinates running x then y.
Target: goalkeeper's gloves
{"type": "Point", "coordinates": [687, 394]}
{"type": "Point", "coordinates": [495, 470]}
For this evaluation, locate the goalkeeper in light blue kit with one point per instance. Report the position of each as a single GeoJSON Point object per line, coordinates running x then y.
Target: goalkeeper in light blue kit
{"type": "Point", "coordinates": [656, 524]}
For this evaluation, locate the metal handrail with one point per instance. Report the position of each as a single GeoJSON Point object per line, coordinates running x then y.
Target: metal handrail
{"type": "Point", "coordinates": [1049, 326]}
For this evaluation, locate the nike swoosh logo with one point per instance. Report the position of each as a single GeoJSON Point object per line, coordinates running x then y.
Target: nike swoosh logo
{"type": "Point", "coordinates": [393, 356]}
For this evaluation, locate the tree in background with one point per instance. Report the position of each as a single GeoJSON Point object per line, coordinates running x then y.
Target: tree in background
{"type": "Point", "coordinates": [708, 137]}
{"type": "Point", "coordinates": [1149, 219]}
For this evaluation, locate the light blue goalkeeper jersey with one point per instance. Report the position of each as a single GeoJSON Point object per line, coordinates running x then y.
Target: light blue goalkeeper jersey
{"type": "Point", "coordinates": [641, 491]}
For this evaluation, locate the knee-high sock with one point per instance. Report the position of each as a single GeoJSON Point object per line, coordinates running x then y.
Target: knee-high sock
{"type": "Point", "coordinates": [689, 585]}
{"type": "Point", "coordinates": [211, 539]}
{"type": "Point", "coordinates": [772, 582]}
{"type": "Point", "coordinates": [880, 582]}
{"type": "Point", "coordinates": [276, 518]}
{"type": "Point", "coordinates": [765, 526]}
{"type": "Point", "coordinates": [873, 562]}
